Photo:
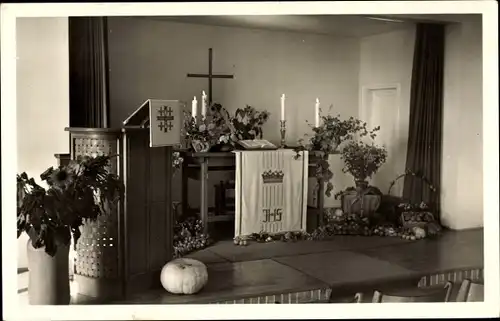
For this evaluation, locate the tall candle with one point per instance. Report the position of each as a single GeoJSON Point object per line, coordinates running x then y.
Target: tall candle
{"type": "Point", "coordinates": [203, 104]}
{"type": "Point", "coordinates": [194, 107]}
{"type": "Point", "coordinates": [283, 107]}
{"type": "Point", "coordinates": [317, 112]}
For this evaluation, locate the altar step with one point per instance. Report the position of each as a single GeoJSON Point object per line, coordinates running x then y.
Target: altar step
{"type": "Point", "coordinates": [321, 295]}
{"type": "Point", "coordinates": [313, 271]}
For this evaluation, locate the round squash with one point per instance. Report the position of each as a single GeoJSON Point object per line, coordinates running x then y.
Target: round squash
{"type": "Point", "coordinates": [184, 276]}
{"type": "Point", "coordinates": [338, 212]}
{"type": "Point", "coordinates": [419, 232]}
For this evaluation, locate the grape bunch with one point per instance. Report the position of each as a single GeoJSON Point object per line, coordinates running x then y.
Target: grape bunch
{"type": "Point", "coordinates": [189, 237]}
{"type": "Point", "coordinates": [190, 244]}
{"type": "Point", "coordinates": [322, 232]}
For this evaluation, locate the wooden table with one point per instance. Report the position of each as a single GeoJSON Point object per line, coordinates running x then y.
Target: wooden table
{"type": "Point", "coordinates": [198, 165]}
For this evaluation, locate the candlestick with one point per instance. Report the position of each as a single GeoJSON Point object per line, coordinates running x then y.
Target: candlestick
{"type": "Point", "coordinates": [203, 104]}
{"type": "Point", "coordinates": [283, 107]}
{"type": "Point", "coordinates": [317, 112]}
{"type": "Point", "coordinates": [194, 107]}
{"type": "Point", "coordinates": [283, 132]}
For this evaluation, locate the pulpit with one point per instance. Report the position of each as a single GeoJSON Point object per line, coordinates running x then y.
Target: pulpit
{"type": "Point", "coordinates": [124, 252]}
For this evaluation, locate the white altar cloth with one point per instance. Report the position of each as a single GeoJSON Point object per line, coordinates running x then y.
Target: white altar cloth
{"type": "Point", "coordinates": [271, 191]}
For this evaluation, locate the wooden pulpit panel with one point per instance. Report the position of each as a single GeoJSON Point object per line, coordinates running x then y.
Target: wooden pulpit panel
{"type": "Point", "coordinates": [149, 224]}
{"type": "Point", "coordinates": [161, 217]}
{"type": "Point", "coordinates": [136, 199]}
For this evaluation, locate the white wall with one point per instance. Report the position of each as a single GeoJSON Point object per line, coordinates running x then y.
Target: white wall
{"type": "Point", "coordinates": [386, 60]}
{"type": "Point", "coordinates": [462, 172]}
{"type": "Point", "coordinates": [42, 97]}
{"type": "Point", "coordinates": [150, 59]}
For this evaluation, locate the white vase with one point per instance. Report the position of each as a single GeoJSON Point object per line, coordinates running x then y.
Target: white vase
{"type": "Point", "coordinates": [48, 276]}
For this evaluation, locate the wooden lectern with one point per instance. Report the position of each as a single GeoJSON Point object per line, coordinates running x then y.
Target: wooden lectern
{"type": "Point", "coordinates": [124, 252]}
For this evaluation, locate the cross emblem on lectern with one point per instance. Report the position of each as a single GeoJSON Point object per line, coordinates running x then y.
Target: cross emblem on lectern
{"type": "Point", "coordinates": [165, 117]}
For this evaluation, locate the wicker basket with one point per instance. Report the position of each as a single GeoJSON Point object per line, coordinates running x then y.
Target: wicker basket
{"type": "Point", "coordinates": [365, 205]}
{"type": "Point", "coordinates": [416, 219]}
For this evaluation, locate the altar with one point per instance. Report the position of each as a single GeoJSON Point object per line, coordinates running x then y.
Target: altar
{"type": "Point", "coordinates": [271, 192]}
{"type": "Point", "coordinates": [197, 166]}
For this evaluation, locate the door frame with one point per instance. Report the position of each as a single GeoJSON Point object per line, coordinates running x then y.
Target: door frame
{"type": "Point", "coordinates": [364, 94]}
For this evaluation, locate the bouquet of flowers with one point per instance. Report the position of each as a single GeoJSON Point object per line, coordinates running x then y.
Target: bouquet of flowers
{"type": "Point", "coordinates": [206, 132]}
{"type": "Point", "coordinates": [80, 191]}
{"type": "Point", "coordinates": [247, 123]}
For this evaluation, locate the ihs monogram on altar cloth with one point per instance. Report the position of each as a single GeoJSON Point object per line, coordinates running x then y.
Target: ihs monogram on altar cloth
{"type": "Point", "coordinates": [276, 200]}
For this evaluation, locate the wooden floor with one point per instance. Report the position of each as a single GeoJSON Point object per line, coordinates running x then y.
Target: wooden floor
{"type": "Point", "coordinates": [341, 265]}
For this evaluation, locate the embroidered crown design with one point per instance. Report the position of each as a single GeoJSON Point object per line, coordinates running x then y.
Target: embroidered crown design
{"type": "Point", "coordinates": [272, 176]}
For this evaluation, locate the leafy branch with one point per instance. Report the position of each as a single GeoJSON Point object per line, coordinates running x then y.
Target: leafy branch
{"type": "Point", "coordinates": [326, 140]}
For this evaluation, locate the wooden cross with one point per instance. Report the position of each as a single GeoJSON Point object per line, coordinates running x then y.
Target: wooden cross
{"type": "Point", "coordinates": [210, 76]}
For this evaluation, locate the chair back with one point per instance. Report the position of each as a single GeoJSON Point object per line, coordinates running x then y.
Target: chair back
{"type": "Point", "coordinates": [358, 298]}
{"type": "Point", "coordinates": [417, 295]}
{"type": "Point", "coordinates": [470, 292]}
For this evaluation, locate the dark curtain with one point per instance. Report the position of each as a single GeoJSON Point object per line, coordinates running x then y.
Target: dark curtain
{"type": "Point", "coordinates": [426, 117]}
{"type": "Point", "coordinates": [88, 69]}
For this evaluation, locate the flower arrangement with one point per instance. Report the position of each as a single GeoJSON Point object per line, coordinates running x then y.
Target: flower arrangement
{"type": "Point", "coordinates": [79, 191]}
{"type": "Point", "coordinates": [220, 128]}
{"type": "Point", "coordinates": [247, 123]}
{"type": "Point", "coordinates": [362, 160]}
{"type": "Point", "coordinates": [206, 131]}
{"type": "Point", "coordinates": [326, 139]}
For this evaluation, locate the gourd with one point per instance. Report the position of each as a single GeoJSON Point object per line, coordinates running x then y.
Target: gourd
{"type": "Point", "coordinates": [184, 276]}
{"type": "Point", "coordinates": [419, 232]}
{"type": "Point", "coordinates": [338, 212]}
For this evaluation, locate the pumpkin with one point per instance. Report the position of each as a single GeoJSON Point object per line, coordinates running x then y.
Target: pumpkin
{"type": "Point", "coordinates": [184, 276]}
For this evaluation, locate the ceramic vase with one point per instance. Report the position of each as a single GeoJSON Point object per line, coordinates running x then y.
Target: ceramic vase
{"type": "Point", "coordinates": [200, 147]}
{"type": "Point", "coordinates": [48, 276]}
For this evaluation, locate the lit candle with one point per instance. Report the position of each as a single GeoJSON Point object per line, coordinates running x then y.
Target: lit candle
{"type": "Point", "coordinates": [283, 107]}
{"type": "Point", "coordinates": [317, 112]}
{"type": "Point", "coordinates": [194, 108]}
{"type": "Point", "coordinates": [203, 104]}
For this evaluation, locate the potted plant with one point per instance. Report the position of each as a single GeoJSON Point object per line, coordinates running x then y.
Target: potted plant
{"type": "Point", "coordinates": [326, 139]}
{"type": "Point", "coordinates": [77, 192]}
{"type": "Point", "coordinates": [362, 160]}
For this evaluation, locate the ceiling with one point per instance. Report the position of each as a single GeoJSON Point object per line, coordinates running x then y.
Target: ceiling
{"type": "Point", "coordinates": [337, 25]}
